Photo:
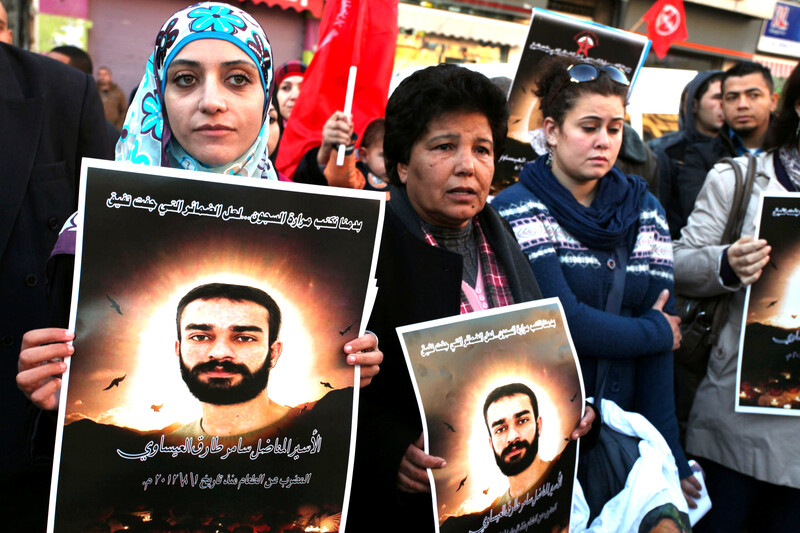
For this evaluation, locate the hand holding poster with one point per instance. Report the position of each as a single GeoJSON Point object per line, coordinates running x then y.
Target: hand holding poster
{"type": "Point", "coordinates": [499, 392]}
{"type": "Point", "coordinates": [554, 35]}
{"type": "Point", "coordinates": [768, 380]}
{"type": "Point", "coordinates": [209, 380]}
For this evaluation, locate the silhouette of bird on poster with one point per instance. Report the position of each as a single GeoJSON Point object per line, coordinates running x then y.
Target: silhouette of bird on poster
{"type": "Point", "coordinates": [462, 483]}
{"type": "Point", "coordinates": [114, 304]}
{"type": "Point", "coordinates": [345, 330]}
{"type": "Point", "coordinates": [326, 384]}
{"type": "Point", "coordinates": [115, 382]}
{"type": "Point", "coordinates": [451, 428]}
{"type": "Point", "coordinates": [773, 302]}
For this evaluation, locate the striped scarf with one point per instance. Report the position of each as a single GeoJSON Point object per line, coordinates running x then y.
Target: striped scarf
{"type": "Point", "coordinates": [495, 282]}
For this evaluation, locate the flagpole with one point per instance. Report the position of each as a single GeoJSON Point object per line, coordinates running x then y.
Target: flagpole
{"type": "Point", "coordinates": [348, 107]}
{"type": "Point", "coordinates": [638, 23]}
{"type": "Point", "coordinates": [355, 59]}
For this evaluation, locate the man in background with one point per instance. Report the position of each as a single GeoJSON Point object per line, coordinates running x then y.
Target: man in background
{"type": "Point", "coordinates": [81, 60]}
{"type": "Point", "coordinates": [699, 121]}
{"type": "Point", "coordinates": [72, 56]}
{"type": "Point", "coordinates": [748, 100]}
{"type": "Point", "coordinates": [115, 103]}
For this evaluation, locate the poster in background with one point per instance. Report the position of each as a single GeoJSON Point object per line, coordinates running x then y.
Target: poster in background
{"type": "Point", "coordinates": [131, 446]}
{"type": "Point", "coordinates": [654, 107]}
{"type": "Point", "coordinates": [554, 35]}
{"type": "Point", "coordinates": [511, 467]}
{"type": "Point", "coordinates": [768, 379]}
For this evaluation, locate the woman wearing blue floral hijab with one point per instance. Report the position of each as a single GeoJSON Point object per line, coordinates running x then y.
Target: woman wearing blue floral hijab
{"type": "Point", "coordinates": [206, 86]}
{"type": "Point", "coordinates": [195, 104]}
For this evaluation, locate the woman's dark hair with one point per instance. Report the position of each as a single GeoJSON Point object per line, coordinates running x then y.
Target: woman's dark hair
{"type": "Point", "coordinates": [558, 95]}
{"type": "Point", "coordinates": [430, 93]}
{"type": "Point", "coordinates": [783, 130]}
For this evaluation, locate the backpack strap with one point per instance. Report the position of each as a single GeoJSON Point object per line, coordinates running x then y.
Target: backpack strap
{"type": "Point", "coordinates": [733, 230]}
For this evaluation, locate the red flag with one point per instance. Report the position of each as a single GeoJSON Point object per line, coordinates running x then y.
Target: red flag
{"type": "Point", "coordinates": [360, 33]}
{"type": "Point", "coordinates": [666, 22]}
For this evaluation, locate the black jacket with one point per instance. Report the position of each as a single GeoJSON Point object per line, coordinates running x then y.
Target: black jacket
{"type": "Point", "coordinates": [699, 158]}
{"type": "Point", "coordinates": [50, 117]}
{"type": "Point", "coordinates": [670, 149]}
{"type": "Point", "coordinates": [416, 282]}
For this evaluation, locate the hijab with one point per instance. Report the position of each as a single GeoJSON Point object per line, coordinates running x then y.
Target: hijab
{"type": "Point", "coordinates": [146, 136]}
{"type": "Point", "coordinates": [290, 68]}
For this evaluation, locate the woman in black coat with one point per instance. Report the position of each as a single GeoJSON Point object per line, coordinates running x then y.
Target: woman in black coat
{"type": "Point", "coordinates": [444, 252]}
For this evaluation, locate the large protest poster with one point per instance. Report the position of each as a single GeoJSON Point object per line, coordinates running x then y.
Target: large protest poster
{"type": "Point", "coordinates": [499, 391]}
{"type": "Point", "coordinates": [768, 375]}
{"type": "Point", "coordinates": [555, 35]}
{"type": "Point", "coordinates": [209, 383]}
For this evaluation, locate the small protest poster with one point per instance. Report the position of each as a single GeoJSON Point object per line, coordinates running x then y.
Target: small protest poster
{"type": "Point", "coordinates": [768, 375]}
{"type": "Point", "coordinates": [209, 384]}
{"type": "Point", "coordinates": [555, 35]}
{"type": "Point", "coordinates": [499, 391]}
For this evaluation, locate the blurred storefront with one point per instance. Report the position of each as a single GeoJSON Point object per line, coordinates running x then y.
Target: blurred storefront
{"type": "Point", "coordinates": [19, 20]}
{"type": "Point", "coordinates": [123, 31]}
{"type": "Point", "coordinates": [120, 33]}
{"type": "Point", "coordinates": [721, 32]}
{"type": "Point", "coordinates": [61, 23]}
{"type": "Point", "coordinates": [430, 36]}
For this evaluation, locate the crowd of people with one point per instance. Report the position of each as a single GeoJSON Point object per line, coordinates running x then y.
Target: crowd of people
{"type": "Point", "coordinates": [612, 248]}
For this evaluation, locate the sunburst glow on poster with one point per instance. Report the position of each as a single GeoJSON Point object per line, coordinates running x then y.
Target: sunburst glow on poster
{"type": "Point", "coordinates": [137, 430]}
{"type": "Point", "coordinates": [768, 380]}
{"type": "Point", "coordinates": [457, 363]}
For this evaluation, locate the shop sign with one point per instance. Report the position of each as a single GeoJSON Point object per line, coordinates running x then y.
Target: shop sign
{"type": "Point", "coordinates": [781, 34]}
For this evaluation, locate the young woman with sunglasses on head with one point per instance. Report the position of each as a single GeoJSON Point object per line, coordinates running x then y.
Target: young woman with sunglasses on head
{"type": "Point", "coordinates": [578, 219]}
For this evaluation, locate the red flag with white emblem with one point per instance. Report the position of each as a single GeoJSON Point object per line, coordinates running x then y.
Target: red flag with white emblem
{"type": "Point", "coordinates": [666, 23]}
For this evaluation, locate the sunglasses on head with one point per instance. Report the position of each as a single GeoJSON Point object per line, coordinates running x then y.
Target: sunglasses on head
{"type": "Point", "coordinates": [583, 72]}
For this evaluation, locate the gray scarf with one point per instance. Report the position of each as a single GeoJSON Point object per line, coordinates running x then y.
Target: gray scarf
{"type": "Point", "coordinates": [791, 162]}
